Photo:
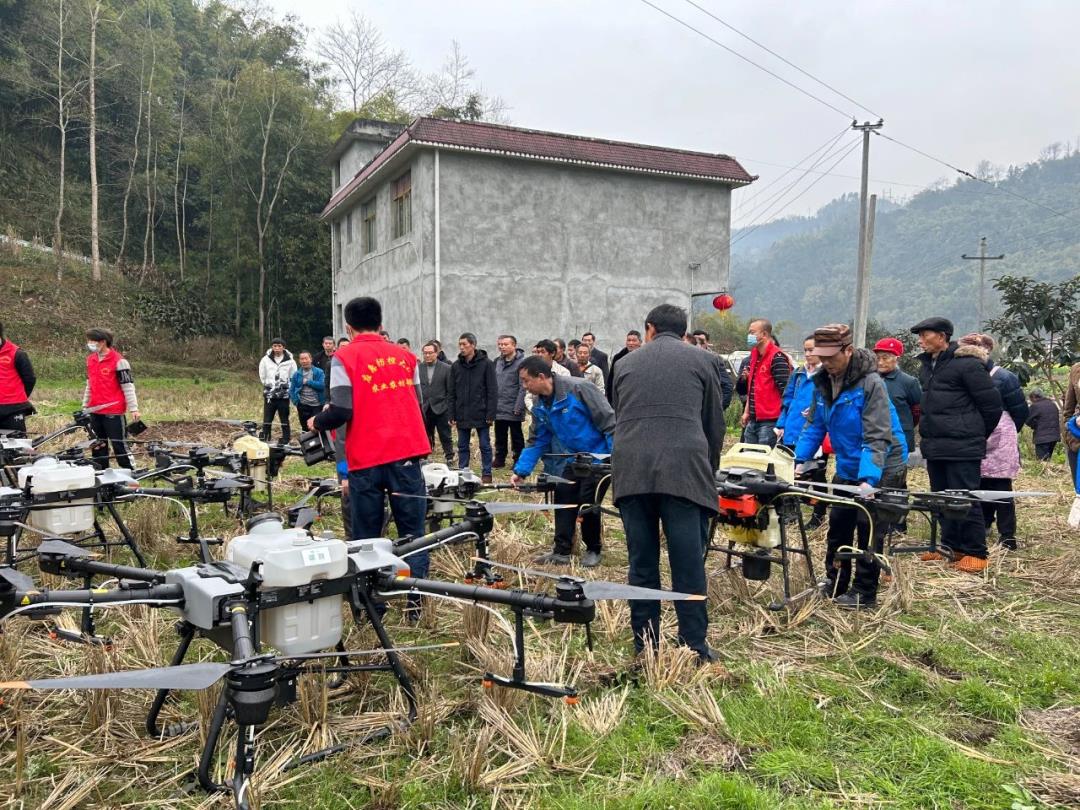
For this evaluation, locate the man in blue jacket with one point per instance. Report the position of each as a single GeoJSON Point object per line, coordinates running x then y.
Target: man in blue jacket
{"type": "Point", "coordinates": [574, 411]}
{"type": "Point", "coordinates": [307, 389]}
{"type": "Point", "coordinates": [853, 407]}
{"type": "Point", "coordinates": [796, 409]}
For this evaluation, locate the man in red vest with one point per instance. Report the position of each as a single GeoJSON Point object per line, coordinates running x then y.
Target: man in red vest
{"type": "Point", "coordinates": [375, 390]}
{"type": "Point", "coordinates": [766, 377]}
{"type": "Point", "coordinates": [17, 382]}
{"type": "Point", "coordinates": [111, 389]}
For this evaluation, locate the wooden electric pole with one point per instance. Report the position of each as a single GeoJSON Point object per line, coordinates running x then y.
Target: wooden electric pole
{"type": "Point", "coordinates": [983, 259]}
{"type": "Point", "coordinates": [862, 276]}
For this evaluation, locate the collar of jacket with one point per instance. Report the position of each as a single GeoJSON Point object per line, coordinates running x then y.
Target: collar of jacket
{"type": "Point", "coordinates": [560, 388]}
{"type": "Point", "coordinates": [863, 362]}
{"type": "Point", "coordinates": [478, 355]}
{"type": "Point", "coordinates": [284, 355]}
{"type": "Point", "coordinates": [503, 362]}
{"type": "Point", "coordinates": [926, 358]}
{"type": "Point", "coordinates": [978, 352]}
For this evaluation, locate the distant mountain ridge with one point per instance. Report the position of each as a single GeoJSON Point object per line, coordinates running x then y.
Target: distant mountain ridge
{"type": "Point", "coordinates": [802, 269]}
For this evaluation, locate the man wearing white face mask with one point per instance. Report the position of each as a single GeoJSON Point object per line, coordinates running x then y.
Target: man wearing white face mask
{"type": "Point", "coordinates": [766, 378]}
{"type": "Point", "coordinates": [109, 384]}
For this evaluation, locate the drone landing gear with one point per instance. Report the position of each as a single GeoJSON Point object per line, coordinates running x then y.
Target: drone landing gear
{"type": "Point", "coordinates": [931, 546]}
{"type": "Point", "coordinates": [517, 679]}
{"type": "Point", "coordinates": [757, 562]}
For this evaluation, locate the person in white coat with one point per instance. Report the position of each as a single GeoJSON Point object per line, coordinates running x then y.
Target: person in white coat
{"type": "Point", "coordinates": [275, 370]}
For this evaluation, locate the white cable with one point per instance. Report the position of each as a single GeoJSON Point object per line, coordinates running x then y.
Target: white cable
{"type": "Point", "coordinates": [452, 539]}
{"type": "Point", "coordinates": [177, 501]}
{"type": "Point", "coordinates": [91, 605]}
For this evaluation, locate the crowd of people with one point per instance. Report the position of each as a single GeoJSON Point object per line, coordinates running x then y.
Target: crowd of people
{"type": "Point", "coordinates": [656, 408]}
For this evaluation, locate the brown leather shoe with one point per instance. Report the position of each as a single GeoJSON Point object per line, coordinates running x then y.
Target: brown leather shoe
{"type": "Point", "coordinates": [485, 479]}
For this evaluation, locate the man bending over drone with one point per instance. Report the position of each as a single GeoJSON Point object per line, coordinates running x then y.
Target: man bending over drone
{"type": "Point", "coordinates": [574, 411]}
{"type": "Point", "coordinates": [852, 405]}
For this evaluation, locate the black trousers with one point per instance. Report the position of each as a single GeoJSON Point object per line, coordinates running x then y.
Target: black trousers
{"type": "Point", "coordinates": [1043, 450]}
{"type": "Point", "coordinates": [517, 439]}
{"type": "Point", "coordinates": [580, 492]}
{"type": "Point", "coordinates": [967, 536]}
{"type": "Point", "coordinates": [439, 422]}
{"type": "Point", "coordinates": [14, 421]}
{"type": "Point", "coordinates": [110, 429]}
{"type": "Point", "coordinates": [272, 408]}
{"type": "Point", "coordinates": [686, 529]}
{"type": "Point", "coordinates": [305, 412]}
{"type": "Point", "coordinates": [1004, 510]}
{"type": "Point", "coordinates": [849, 526]}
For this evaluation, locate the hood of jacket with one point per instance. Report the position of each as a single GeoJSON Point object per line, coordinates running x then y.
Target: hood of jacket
{"type": "Point", "coordinates": [284, 356]}
{"type": "Point", "coordinates": [978, 352]}
{"type": "Point", "coordinates": [476, 358]}
{"type": "Point", "coordinates": [863, 362]}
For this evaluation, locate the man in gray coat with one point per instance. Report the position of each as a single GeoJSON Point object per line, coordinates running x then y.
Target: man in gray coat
{"type": "Point", "coordinates": [510, 408]}
{"type": "Point", "coordinates": [669, 432]}
{"type": "Point", "coordinates": [434, 393]}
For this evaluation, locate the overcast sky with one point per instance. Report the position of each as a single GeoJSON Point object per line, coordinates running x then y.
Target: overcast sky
{"type": "Point", "coordinates": [964, 80]}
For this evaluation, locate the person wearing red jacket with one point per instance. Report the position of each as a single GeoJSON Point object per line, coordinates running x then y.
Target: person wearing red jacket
{"type": "Point", "coordinates": [375, 391]}
{"type": "Point", "coordinates": [111, 390]}
{"type": "Point", "coordinates": [17, 382]}
{"type": "Point", "coordinates": [767, 375]}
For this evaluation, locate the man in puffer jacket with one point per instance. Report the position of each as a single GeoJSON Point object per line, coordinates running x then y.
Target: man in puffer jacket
{"type": "Point", "coordinates": [510, 408]}
{"type": "Point", "coordinates": [275, 371]}
{"type": "Point", "coordinates": [852, 406]}
{"type": "Point", "coordinates": [473, 401]}
{"type": "Point", "coordinates": [1002, 462]}
{"type": "Point", "coordinates": [960, 409]}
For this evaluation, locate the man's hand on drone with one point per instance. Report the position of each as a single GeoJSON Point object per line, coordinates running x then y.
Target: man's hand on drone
{"type": "Point", "coordinates": [865, 490]}
{"type": "Point", "coordinates": [516, 480]}
{"type": "Point", "coordinates": [311, 423]}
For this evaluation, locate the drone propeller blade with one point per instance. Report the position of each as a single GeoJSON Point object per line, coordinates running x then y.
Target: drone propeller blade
{"type": "Point", "coordinates": [529, 572]}
{"type": "Point", "coordinates": [185, 676]}
{"type": "Point", "coordinates": [601, 589]}
{"type": "Point", "coordinates": [998, 495]}
{"type": "Point", "coordinates": [16, 580]}
{"type": "Point", "coordinates": [355, 653]}
{"type": "Point", "coordinates": [305, 517]}
{"type": "Point", "coordinates": [500, 508]}
{"type": "Point", "coordinates": [850, 488]}
{"type": "Point", "coordinates": [96, 408]}
{"type": "Point", "coordinates": [558, 479]}
{"type": "Point", "coordinates": [61, 548]}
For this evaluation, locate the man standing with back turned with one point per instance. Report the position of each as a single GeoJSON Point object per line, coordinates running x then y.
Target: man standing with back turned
{"type": "Point", "coordinates": [374, 387]}
{"type": "Point", "coordinates": [669, 432]}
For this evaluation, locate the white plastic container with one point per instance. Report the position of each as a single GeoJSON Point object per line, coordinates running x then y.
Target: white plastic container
{"type": "Point", "coordinates": [48, 475]}
{"type": "Point", "coordinates": [759, 457]}
{"type": "Point", "coordinates": [291, 557]}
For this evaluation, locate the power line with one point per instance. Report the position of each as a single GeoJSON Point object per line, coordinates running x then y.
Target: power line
{"type": "Point", "coordinates": [787, 62]}
{"type": "Point", "coordinates": [747, 59]}
{"type": "Point", "coordinates": [744, 200]}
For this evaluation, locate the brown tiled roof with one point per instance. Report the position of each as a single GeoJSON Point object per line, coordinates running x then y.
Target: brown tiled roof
{"type": "Point", "coordinates": [536, 145]}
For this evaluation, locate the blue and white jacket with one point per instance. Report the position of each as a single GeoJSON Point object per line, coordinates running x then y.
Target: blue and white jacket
{"type": "Point", "coordinates": [576, 415]}
{"type": "Point", "coordinates": [796, 406]}
{"type": "Point", "coordinates": [861, 422]}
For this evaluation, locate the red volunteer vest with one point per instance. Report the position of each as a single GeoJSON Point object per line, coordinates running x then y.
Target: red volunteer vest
{"type": "Point", "coordinates": [386, 421]}
{"type": "Point", "coordinates": [104, 386]}
{"type": "Point", "coordinates": [767, 398]}
{"type": "Point", "coordinates": [12, 390]}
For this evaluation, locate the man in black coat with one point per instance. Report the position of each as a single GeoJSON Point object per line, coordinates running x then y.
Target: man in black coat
{"type": "Point", "coordinates": [960, 409]}
{"type": "Point", "coordinates": [325, 356]}
{"type": "Point", "coordinates": [1044, 419]}
{"type": "Point", "coordinates": [633, 342]}
{"type": "Point", "coordinates": [669, 432]}
{"type": "Point", "coordinates": [473, 401]}
{"type": "Point", "coordinates": [596, 357]}
{"type": "Point", "coordinates": [435, 396]}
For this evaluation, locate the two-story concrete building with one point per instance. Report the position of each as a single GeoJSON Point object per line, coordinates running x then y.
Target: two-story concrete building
{"type": "Point", "coordinates": [459, 226]}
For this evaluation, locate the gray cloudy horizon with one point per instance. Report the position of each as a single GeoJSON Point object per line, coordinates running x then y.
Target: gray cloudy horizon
{"type": "Point", "coordinates": [964, 81]}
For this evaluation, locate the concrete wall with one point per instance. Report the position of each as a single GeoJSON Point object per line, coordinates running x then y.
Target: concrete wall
{"type": "Point", "coordinates": [538, 250]}
{"type": "Point", "coordinates": [544, 250]}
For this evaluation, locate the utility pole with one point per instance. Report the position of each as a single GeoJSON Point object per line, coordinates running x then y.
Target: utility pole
{"type": "Point", "coordinates": [983, 259]}
{"type": "Point", "coordinates": [862, 276]}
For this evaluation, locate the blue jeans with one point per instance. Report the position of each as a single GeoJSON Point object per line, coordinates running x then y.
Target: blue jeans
{"type": "Point", "coordinates": [484, 436]}
{"type": "Point", "coordinates": [368, 490]}
{"type": "Point", "coordinates": [686, 529]}
{"type": "Point", "coordinates": [760, 433]}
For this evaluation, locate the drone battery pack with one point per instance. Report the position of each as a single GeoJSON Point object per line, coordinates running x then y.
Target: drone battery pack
{"type": "Point", "coordinates": [316, 446]}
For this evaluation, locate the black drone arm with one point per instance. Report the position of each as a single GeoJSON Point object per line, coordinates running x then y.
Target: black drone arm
{"type": "Point", "coordinates": [25, 600]}
{"type": "Point", "coordinates": [410, 545]}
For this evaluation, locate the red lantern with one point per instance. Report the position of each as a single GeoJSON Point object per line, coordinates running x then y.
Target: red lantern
{"type": "Point", "coordinates": [723, 302]}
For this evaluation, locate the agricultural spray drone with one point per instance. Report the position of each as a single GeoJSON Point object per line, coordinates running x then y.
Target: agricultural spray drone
{"type": "Point", "coordinates": [283, 589]}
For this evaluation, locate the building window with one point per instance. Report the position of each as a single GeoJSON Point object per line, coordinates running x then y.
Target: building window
{"type": "Point", "coordinates": [401, 205]}
{"type": "Point", "coordinates": [337, 245]}
{"type": "Point", "coordinates": [367, 226]}
{"type": "Point", "coordinates": [348, 228]}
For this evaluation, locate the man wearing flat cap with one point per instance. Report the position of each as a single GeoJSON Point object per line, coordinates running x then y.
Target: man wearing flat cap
{"type": "Point", "coordinates": [853, 407]}
{"type": "Point", "coordinates": [960, 409]}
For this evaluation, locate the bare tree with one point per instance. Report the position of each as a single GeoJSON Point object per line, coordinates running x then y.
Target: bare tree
{"type": "Point", "coordinates": [454, 93]}
{"type": "Point", "coordinates": [180, 199]}
{"type": "Point", "coordinates": [363, 64]}
{"type": "Point", "coordinates": [151, 151]}
{"type": "Point", "coordinates": [94, 18]}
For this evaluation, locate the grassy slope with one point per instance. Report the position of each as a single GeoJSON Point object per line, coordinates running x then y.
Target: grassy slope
{"type": "Point", "coordinates": [926, 703]}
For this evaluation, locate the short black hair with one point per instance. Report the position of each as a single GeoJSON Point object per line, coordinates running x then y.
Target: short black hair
{"type": "Point", "coordinates": [511, 338]}
{"type": "Point", "coordinates": [701, 332]}
{"type": "Point", "coordinates": [469, 336]}
{"type": "Point", "coordinates": [404, 342]}
{"type": "Point", "coordinates": [341, 340]}
{"type": "Point", "coordinates": [535, 366]}
{"type": "Point", "coordinates": [277, 342]}
{"type": "Point", "coordinates": [328, 337]}
{"type": "Point", "coordinates": [302, 352]}
{"type": "Point", "coordinates": [560, 343]}
{"type": "Point", "coordinates": [434, 346]}
{"type": "Point", "coordinates": [667, 318]}
{"type": "Point", "coordinates": [364, 314]}
{"type": "Point", "coordinates": [100, 335]}
{"type": "Point", "coordinates": [573, 344]}
{"type": "Point", "coordinates": [588, 334]}
{"type": "Point", "coordinates": [635, 333]}
{"type": "Point", "coordinates": [547, 345]}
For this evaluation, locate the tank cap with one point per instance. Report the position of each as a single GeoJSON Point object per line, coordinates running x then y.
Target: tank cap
{"type": "Point", "coordinates": [264, 517]}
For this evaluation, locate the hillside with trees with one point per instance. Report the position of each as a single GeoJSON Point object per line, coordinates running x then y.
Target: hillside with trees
{"type": "Point", "coordinates": [181, 145]}
{"type": "Point", "coordinates": [1031, 213]}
